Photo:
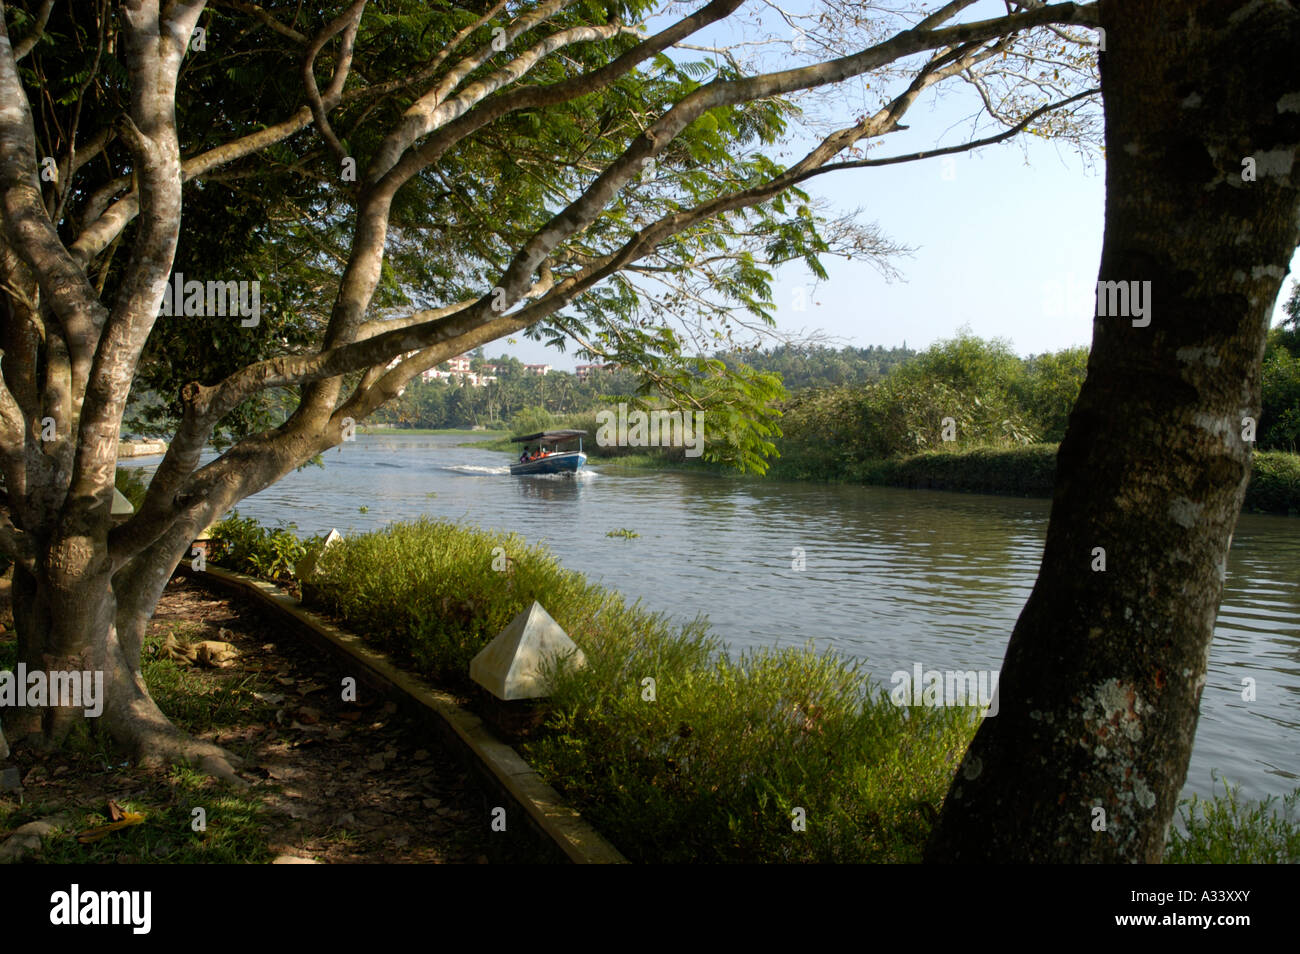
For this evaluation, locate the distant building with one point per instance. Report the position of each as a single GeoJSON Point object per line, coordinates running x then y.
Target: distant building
{"type": "Point", "coordinates": [458, 369]}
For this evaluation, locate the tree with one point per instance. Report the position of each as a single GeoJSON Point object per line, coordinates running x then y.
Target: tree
{"type": "Point", "coordinates": [1102, 681]}
{"type": "Point", "coordinates": [1051, 388]}
{"type": "Point", "coordinates": [1279, 420]}
{"type": "Point", "coordinates": [441, 177]}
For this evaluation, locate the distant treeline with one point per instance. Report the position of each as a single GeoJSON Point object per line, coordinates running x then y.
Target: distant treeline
{"type": "Point", "coordinates": [814, 366]}
{"type": "Point", "coordinates": [850, 406]}
{"type": "Point", "coordinates": [516, 394]}
{"type": "Point", "coordinates": [518, 399]}
{"type": "Point", "coordinates": [968, 392]}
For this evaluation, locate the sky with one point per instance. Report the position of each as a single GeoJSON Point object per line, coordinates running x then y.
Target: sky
{"type": "Point", "coordinates": [1007, 241]}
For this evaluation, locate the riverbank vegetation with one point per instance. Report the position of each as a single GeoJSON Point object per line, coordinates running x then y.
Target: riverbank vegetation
{"type": "Point", "coordinates": [721, 757]}
{"type": "Point", "coordinates": [966, 414]}
{"type": "Point", "coordinates": [1030, 471]}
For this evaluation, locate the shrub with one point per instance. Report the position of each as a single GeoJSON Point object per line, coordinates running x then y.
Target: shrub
{"type": "Point", "coordinates": [714, 767]}
{"type": "Point", "coordinates": [1279, 424]}
{"type": "Point", "coordinates": [1020, 471]}
{"type": "Point", "coordinates": [1274, 483]}
{"type": "Point", "coordinates": [530, 419]}
{"type": "Point", "coordinates": [436, 592]}
{"type": "Point", "coordinates": [244, 545]}
{"type": "Point", "coordinates": [1223, 830]}
{"type": "Point", "coordinates": [1050, 389]}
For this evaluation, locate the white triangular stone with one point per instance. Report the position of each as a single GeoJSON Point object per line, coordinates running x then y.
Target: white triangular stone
{"type": "Point", "coordinates": [306, 567]}
{"type": "Point", "coordinates": [120, 504]}
{"type": "Point", "coordinates": [510, 667]}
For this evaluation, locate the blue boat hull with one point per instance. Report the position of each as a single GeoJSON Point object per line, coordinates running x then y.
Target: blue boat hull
{"type": "Point", "coordinates": [554, 464]}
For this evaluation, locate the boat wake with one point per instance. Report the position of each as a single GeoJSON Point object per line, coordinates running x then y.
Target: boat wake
{"type": "Point", "coordinates": [476, 470]}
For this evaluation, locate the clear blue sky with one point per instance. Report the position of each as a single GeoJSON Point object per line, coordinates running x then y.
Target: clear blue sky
{"type": "Point", "coordinates": [1007, 239]}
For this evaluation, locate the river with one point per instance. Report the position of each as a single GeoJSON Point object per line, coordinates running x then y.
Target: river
{"type": "Point", "coordinates": [894, 577]}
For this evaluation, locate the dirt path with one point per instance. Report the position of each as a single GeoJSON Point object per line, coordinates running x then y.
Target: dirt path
{"type": "Point", "coordinates": [338, 781]}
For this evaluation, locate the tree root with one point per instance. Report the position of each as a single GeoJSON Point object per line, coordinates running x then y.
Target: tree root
{"type": "Point", "coordinates": [153, 741]}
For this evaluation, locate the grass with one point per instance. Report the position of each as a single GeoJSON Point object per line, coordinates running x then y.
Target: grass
{"type": "Point", "coordinates": [1223, 830]}
{"type": "Point", "coordinates": [655, 461]}
{"type": "Point", "coordinates": [709, 760]}
{"type": "Point", "coordinates": [232, 832]}
{"type": "Point", "coordinates": [430, 590]}
{"type": "Point", "coordinates": [677, 751]}
{"type": "Point", "coordinates": [194, 701]}
{"type": "Point", "coordinates": [776, 756]}
{"type": "Point", "coordinates": [233, 817]}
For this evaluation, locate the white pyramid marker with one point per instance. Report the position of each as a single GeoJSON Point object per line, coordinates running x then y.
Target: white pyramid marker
{"type": "Point", "coordinates": [306, 567]}
{"type": "Point", "coordinates": [509, 667]}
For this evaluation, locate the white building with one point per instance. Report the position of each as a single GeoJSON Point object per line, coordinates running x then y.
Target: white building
{"type": "Point", "coordinates": [458, 369]}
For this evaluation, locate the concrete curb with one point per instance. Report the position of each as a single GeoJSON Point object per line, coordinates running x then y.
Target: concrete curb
{"type": "Point", "coordinates": [501, 764]}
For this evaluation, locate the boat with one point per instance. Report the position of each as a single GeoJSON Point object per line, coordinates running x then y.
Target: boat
{"type": "Point", "coordinates": [552, 459]}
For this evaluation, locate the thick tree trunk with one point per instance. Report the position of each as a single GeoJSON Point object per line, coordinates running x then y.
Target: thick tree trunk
{"type": "Point", "coordinates": [131, 715]}
{"type": "Point", "coordinates": [89, 622]}
{"type": "Point", "coordinates": [1103, 675]}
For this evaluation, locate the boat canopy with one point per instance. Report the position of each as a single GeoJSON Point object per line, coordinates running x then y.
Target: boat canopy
{"type": "Point", "coordinates": [548, 436]}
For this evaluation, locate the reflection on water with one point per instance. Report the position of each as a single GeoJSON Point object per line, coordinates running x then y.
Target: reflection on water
{"type": "Point", "coordinates": [894, 577]}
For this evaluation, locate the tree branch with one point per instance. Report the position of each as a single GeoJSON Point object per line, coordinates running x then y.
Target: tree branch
{"type": "Point", "coordinates": [29, 43]}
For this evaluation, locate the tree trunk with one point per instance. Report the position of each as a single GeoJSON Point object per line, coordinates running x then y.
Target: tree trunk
{"type": "Point", "coordinates": [80, 619]}
{"type": "Point", "coordinates": [131, 715]}
{"type": "Point", "coordinates": [1103, 676]}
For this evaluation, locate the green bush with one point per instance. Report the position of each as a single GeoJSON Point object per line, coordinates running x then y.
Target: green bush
{"type": "Point", "coordinates": [436, 592]}
{"type": "Point", "coordinates": [715, 766]}
{"type": "Point", "coordinates": [1050, 388]}
{"type": "Point", "coordinates": [1028, 471]}
{"type": "Point", "coordinates": [530, 419]}
{"type": "Point", "coordinates": [993, 398]}
{"type": "Point", "coordinates": [1019, 471]}
{"type": "Point", "coordinates": [244, 545]}
{"type": "Point", "coordinates": [1274, 483]}
{"type": "Point", "coordinates": [1224, 831]}
{"type": "Point", "coordinates": [1279, 423]}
